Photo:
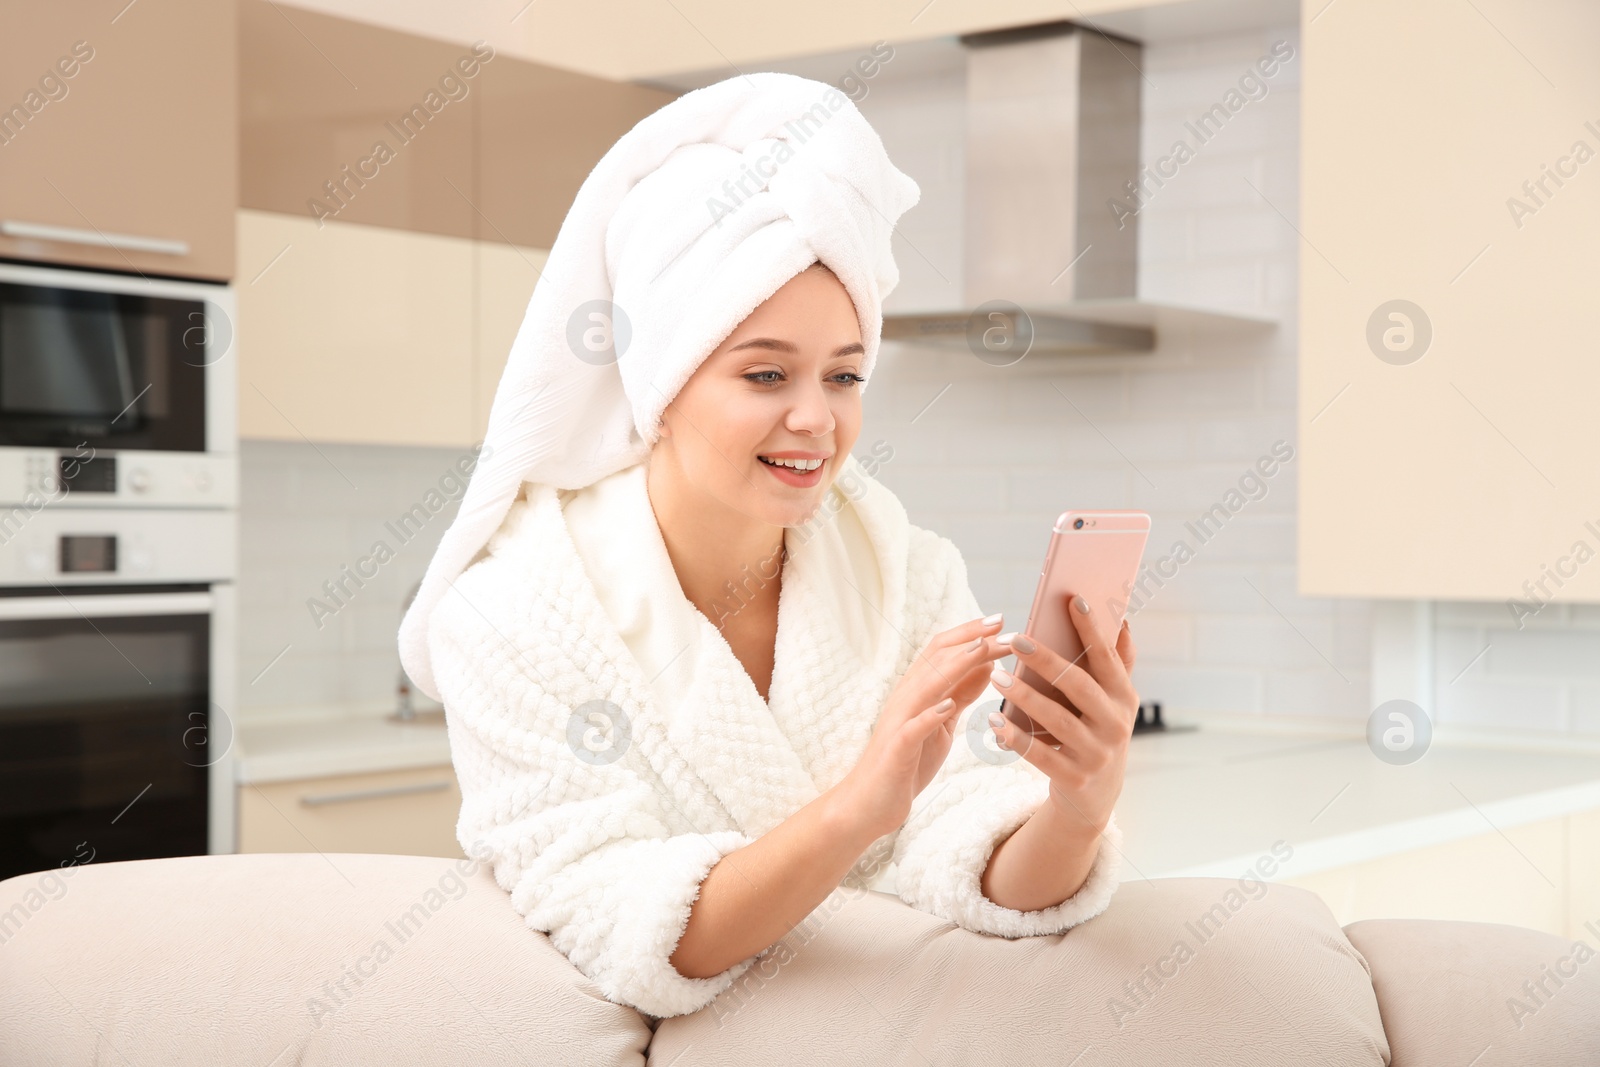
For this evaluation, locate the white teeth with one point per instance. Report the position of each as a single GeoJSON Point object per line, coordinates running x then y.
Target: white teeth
{"type": "Point", "coordinates": [795, 464]}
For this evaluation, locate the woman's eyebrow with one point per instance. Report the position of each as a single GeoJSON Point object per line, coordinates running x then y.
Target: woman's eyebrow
{"type": "Point", "coordinates": [766, 342]}
{"type": "Point", "coordinates": [854, 348]}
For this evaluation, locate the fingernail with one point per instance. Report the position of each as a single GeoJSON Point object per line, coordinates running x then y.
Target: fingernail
{"type": "Point", "coordinates": [944, 705]}
{"type": "Point", "coordinates": [1000, 678]}
{"type": "Point", "coordinates": [1005, 639]}
{"type": "Point", "coordinates": [996, 719]}
{"type": "Point", "coordinates": [993, 620]}
{"type": "Point", "coordinates": [1024, 644]}
{"type": "Point", "coordinates": [1081, 604]}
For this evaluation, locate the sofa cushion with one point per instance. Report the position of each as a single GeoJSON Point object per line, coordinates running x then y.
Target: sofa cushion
{"type": "Point", "coordinates": [1457, 993]}
{"type": "Point", "coordinates": [1175, 971]}
{"type": "Point", "coordinates": [290, 959]}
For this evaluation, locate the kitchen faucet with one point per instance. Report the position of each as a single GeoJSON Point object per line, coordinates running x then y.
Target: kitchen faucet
{"type": "Point", "coordinates": [405, 710]}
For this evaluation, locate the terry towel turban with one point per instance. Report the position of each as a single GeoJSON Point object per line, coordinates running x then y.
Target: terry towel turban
{"type": "Point", "coordinates": [692, 219]}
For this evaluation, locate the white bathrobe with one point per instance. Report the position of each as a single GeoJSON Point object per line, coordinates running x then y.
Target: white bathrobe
{"type": "Point", "coordinates": [574, 602]}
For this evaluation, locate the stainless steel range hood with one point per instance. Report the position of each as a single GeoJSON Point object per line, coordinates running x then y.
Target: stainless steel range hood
{"type": "Point", "coordinates": [1052, 147]}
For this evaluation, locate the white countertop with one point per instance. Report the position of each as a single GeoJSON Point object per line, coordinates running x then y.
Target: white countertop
{"type": "Point", "coordinates": [1212, 802]}
{"type": "Point", "coordinates": [1204, 803]}
{"type": "Point", "coordinates": [283, 744]}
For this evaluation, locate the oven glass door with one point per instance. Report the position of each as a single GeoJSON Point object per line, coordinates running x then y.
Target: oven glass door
{"type": "Point", "coordinates": [112, 370]}
{"type": "Point", "coordinates": [104, 731]}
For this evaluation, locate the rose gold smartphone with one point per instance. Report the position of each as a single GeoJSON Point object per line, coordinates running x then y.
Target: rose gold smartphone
{"type": "Point", "coordinates": [1095, 555]}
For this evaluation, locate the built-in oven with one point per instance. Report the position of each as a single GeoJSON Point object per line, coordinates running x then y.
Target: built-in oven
{"type": "Point", "coordinates": [118, 562]}
{"type": "Point", "coordinates": [108, 734]}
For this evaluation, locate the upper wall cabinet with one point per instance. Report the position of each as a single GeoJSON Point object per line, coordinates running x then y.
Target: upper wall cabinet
{"type": "Point", "coordinates": [349, 121]}
{"type": "Point", "coordinates": [397, 195]}
{"type": "Point", "coordinates": [118, 141]}
{"type": "Point", "coordinates": [1450, 208]}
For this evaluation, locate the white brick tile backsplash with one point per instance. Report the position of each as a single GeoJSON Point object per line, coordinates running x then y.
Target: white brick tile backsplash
{"type": "Point", "coordinates": [1504, 705]}
{"type": "Point", "coordinates": [1534, 654]}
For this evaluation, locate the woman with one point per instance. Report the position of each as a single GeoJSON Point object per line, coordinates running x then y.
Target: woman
{"type": "Point", "coordinates": [666, 795]}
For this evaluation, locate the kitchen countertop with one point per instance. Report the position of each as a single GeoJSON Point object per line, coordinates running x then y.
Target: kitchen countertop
{"type": "Point", "coordinates": [283, 744]}
{"type": "Point", "coordinates": [1209, 802]}
{"type": "Point", "coordinates": [1212, 802]}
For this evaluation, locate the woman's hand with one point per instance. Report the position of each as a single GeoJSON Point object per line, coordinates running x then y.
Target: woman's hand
{"type": "Point", "coordinates": [1086, 771]}
{"type": "Point", "coordinates": [914, 731]}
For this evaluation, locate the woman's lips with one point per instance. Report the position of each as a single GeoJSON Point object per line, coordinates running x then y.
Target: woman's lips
{"type": "Point", "coordinates": [790, 476]}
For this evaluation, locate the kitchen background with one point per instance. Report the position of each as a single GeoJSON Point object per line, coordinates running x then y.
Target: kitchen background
{"type": "Point", "coordinates": [366, 302]}
{"type": "Point", "coordinates": [1170, 432]}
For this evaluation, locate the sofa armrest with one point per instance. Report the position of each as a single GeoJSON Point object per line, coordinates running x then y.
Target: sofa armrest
{"type": "Point", "coordinates": [1457, 993]}
{"type": "Point", "coordinates": [292, 958]}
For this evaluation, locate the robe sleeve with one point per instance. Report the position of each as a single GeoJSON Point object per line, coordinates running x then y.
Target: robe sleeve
{"type": "Point", "coordinates": [978, 797]}
{"type": "Point", "coordinates": [592, 852]}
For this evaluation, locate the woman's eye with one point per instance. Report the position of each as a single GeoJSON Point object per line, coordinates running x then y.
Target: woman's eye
{"type": "Point", "coordinates": [849, 378]}
{"type": "Point", "coordinates": [764, 377]}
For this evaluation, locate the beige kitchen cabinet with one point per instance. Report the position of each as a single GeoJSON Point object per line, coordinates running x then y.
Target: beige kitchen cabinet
{"type": "Point", "coordinates": [409, 812]}
{"type": "Point", "coordinates": [374, 335]}
{"type": "Point", "coordinates": [1542, 875]}
{"type": "Point", "coordinates": [353, 333]}
{"type": "Point", "coordinates": [119, 136]}
{"type": "Point", "coordinates": [1450, 159]}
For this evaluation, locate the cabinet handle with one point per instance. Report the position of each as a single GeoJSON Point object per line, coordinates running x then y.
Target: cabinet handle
{"type": "Point", "coordinates": [126, 242]}
{"type": "Point", "coordinates": [318, 799]}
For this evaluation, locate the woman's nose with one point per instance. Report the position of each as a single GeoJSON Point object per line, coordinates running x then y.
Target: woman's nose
{"type": "Point", "coordinates": [811, 413]}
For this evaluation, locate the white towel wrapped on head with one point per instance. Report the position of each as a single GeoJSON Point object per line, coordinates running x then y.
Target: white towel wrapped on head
{"type": "Point", "coordinates": [693, 218]}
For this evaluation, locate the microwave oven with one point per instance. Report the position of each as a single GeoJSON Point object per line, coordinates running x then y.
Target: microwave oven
{"type": "Point", "coordinates": [116, 390]}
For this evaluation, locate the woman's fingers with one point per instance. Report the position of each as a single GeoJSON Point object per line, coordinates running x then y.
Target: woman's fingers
{"type": "Point", "coordinates": [1064, 726]}
{"type": "Point", "coordinates": [1100, 655]}
{"type": "Point", "coordinates": [923, 724]}
{"type": "Point", "coordinates": [1125, 647]}
{"type": "Point", "coordinates": [1074, 682]}
{"type": "Point", "coordinates": [1057, 763]}
{"type": "Point", "coordinates": [949, 669]}
{"type": "Point", "coordinates": [968, 632]}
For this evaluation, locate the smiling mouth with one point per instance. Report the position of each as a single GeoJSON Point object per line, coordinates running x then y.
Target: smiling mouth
{"type": "Point", "coordinates": [801, 465]}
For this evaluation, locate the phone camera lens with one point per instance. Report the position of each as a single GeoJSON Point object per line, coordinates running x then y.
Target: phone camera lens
{"type": "Point", "coordinates": [1077, 524]}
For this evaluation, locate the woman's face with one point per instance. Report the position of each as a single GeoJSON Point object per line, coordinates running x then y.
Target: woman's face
{"type": "Point", "coordinates": [784, 386]}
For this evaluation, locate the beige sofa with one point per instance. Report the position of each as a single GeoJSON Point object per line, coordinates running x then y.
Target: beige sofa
{"type": "Point", "coordinates": [270, 960]}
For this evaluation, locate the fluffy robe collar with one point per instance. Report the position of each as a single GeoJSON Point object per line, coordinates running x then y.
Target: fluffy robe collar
{"type": "Point", "coordinates": [841, 619]}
